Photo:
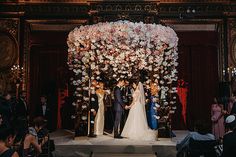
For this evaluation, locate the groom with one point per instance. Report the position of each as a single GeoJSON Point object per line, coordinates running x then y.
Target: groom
{"type": "Point", "coordinates": [119, 107]}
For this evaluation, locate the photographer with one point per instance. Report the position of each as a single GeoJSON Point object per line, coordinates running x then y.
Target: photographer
{"type": "Point", "coordinates": [32, 144]}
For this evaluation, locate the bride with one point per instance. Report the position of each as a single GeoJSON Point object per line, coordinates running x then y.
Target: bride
{"type": "Point", "coordinates": [136, 126]}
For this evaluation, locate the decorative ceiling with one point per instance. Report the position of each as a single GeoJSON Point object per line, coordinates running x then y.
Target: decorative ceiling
{"type": "Point", "coordinates": [85, 1]}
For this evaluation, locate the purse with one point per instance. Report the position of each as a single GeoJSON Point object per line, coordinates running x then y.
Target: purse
{"type": "Point", "coordinates": [219, 150]}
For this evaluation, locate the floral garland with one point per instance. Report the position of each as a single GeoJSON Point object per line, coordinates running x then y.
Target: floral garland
{"type": "Point", "coordinates": [120, 50]}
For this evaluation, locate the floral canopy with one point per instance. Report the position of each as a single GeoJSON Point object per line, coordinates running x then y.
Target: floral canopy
{"type": "Point", "coordinates": [120, 50]}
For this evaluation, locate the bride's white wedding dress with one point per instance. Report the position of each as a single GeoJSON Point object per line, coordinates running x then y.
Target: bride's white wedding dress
{"type": "Point", "coordinates": [136, 126]}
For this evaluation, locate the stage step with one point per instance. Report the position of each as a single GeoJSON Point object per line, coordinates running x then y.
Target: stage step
{"type": "Point", "coordinates": [121, 155]}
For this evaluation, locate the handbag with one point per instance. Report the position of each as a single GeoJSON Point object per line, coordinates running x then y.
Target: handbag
{"type": "Point", "coordinates": [51, 145]}
{"type": "Point", "coordinates": [219, 150]}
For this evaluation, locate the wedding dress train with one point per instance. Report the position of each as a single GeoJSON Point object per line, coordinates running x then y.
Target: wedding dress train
{"type": "Point", "coordinates": [136, 126]}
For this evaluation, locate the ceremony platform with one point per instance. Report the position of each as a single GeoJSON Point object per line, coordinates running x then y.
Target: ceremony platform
{"type": "Point", "coordinates": [107, 146]}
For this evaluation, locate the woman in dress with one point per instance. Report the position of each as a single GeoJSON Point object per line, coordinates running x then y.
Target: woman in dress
{"type": "Point", "coordinates": [152, 110]}
{"type": "Point", "coordinates": [99, 119]}
{"type": "Point", "coordinates": [136, 126]}
{"type": "Point", "coordinates": [217, 118]}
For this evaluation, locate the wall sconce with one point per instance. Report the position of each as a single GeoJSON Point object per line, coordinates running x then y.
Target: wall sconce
{"type": "Point", "coordinates": [17, 73]}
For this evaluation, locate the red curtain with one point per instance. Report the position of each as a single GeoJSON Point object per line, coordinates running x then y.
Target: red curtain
{"type": "Point", "coordinates": [198, 66]}
{"type": "Point", "coordinates": [48, 70]}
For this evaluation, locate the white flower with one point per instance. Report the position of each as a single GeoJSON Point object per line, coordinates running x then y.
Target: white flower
{"type": "Point", "coordinates": [125, 47]}
{"type": "Point", "coordinates": [157, 117]}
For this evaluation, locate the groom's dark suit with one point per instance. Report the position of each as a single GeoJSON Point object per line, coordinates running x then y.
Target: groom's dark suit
{"type": "Point", "coordinates": [119, 110]}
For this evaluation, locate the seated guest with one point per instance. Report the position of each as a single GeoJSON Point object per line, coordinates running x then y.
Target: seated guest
{"type": "Point", "coordinates": [201, 133]}
{"type": "Point", "coordinates": [7, 136]}
{"type": "Point", "coordinates": [31, 142]}
{"type": "Point", "coordinates": [229, 140]}
{"type": "Point", "coordinates": [217, 118]}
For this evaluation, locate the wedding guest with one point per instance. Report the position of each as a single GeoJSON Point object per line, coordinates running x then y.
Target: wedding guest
{"type": "Point", "coordinates": [93, 108]}
{"type": "Point", "coordinates": [43, 110]}
{"type": "Point", "coordinates": [21, 116]}
{"type": "Point", "coordinates": [6, 107]}
{"type": "Point", "coordinates": [31, 145]}
{"type": "Point", "coordinates": [109, 118]}
{"type": "Point", "coordinates": [229, 140]}
{"type": "Point", "coordinates": [229, 123]}
{"type": "Point", "coordinates": [217, 118]}
{"type": "Point", "coordinates": [99, 119]}
{"type": "Point", "coordinates": [67, 110]}
{"type": "Point", "coordinates": [230, 104]}
{"type": "Point", "coordinates": [233, 109]}
{"type": "Point", "coordinates": [200, 133]}
{"type": "Point", "coordinates": [7, 136]}
{"type": "Point", "coordinates": [152, 109]}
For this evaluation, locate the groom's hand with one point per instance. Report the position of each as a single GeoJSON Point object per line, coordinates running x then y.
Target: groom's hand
{"type": "Point", "coordinates": [126, 107]}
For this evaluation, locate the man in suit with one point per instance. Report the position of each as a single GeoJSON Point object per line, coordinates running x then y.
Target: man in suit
{"type": "Point", "coordinates": [119, 107]}
{"type": "Point", "coordinates": [93, 108]}
{"type": "Point", "coordinates": [127, 92]}
{"type": "Point", "coordinates": [20, 111]}
{"type": "Point", "coordinates": [229, 140]}
{"type": "Point", "coordinates": [6, 107]}
{"type": "Point", "coordinates": [43, 110]}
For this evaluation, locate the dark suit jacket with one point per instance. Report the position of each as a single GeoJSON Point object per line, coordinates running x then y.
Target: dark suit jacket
{"type": "Point", "coordinates": [118, 102]}
{"type": "Point", "coordinates": [233, 110]}
{"type": "Point", "coordinates": [229, 144]}
{"type": "Point", "coordinates": [39, 112]}
{"type": "Point", "coordinates": [20, 110]}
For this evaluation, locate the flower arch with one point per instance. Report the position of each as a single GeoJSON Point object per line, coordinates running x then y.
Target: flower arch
{"type": "Point", "coordinates": [121, 50]}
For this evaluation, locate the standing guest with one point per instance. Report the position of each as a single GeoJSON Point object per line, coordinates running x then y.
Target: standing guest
{"type": "Point", "coordinates": [152, 109]}
{"type": "Point", "coordinates": [109, 119]}
{"type": "Point", "coordinates": [230, 104]}
{"type": "Point", "coordinates": [6, 107]}
{"type": "Point", "coordinates": [100, 118]}
{"type": "Point", "coordinates": [93, 107]}
{"type": "Point", "coordinates": [229, 140]}
{"type": "Point", "coordinates": [6, 141]}
{"type": "Point", "coordinates": [200, 133]}
{"type": "Point", "coordinates": [217, 118]}
{"type": "Point", "coordinates": [20, 112]}
{"type": "Point", "coordinates": [233, 109]}
{"type": "Point", "coordinates": [43, 110]}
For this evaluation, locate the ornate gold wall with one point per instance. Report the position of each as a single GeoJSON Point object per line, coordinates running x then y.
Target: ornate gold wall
{"type": "Point", "coordinates": [81, 1]}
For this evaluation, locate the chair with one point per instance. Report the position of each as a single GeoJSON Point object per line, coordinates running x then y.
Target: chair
{"type": "Point", "coordinates": [202, 148]}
